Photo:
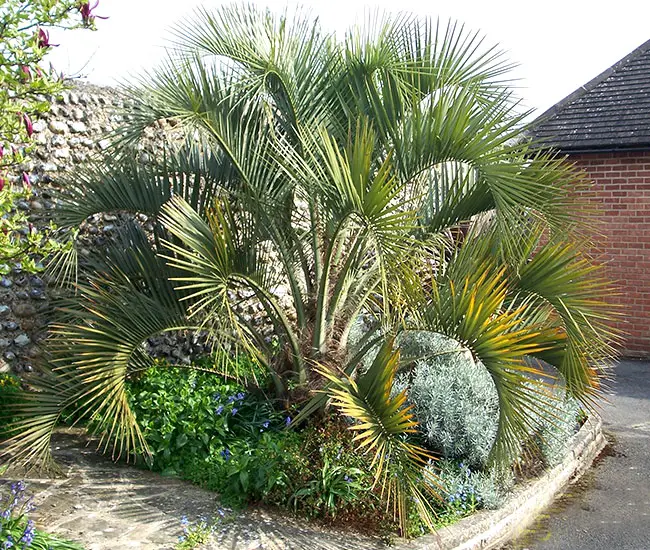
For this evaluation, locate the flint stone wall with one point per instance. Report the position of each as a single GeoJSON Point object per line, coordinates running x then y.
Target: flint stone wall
{"type": "Point", "coordinates": [75, 129]}
{"type": "Point", "coordinates": [67, 136]}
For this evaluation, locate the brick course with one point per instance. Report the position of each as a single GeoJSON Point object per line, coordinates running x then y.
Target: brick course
{"type": "Point", "coordinates": [621, 193]}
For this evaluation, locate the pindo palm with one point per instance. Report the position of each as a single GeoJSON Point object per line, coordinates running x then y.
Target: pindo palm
{"type": "Point", "coordinates": [378, 178]}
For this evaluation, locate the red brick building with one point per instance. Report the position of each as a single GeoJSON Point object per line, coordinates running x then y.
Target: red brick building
{"type": "Point", "coordinates": [604, 127]}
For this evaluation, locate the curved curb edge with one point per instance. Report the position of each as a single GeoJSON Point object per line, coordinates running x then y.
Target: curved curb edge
{"type": "Point", "coordinates": [491, 528]}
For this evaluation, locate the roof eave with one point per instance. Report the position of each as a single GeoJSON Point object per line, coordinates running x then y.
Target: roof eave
{"type": "Point", "coordinates": [568, 150]}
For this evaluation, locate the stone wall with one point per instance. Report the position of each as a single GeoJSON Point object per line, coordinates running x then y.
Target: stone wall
{"type": "Point", "coordinates": [73, 130]}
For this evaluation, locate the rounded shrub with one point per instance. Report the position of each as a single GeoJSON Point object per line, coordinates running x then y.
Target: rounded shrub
{"type": "Point", "coordinates": [453, 396]}
{"type": "Point", "coordinates": [465, 490]}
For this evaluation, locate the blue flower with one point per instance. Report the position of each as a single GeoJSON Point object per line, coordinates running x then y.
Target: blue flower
{"type": "Point", "coordinates": [347, 478]}
{"type": "Point", "coordinates": [28, 534]}
{"type": "Point", "coordinates": [240, 396]}
{"type": "Point", "coordinates": [234, 411]}
{"type": "Point", "coordinates": [184, 521]}
{"type": "Point", "coordinates": [219, 409]}
{"type": "Point", "coordinates": [232, 399]}
{"type": "Point", "coordinates": [216, 397]}
{"type": "Point", "coordinates": [287, 421]}
{"type": "Point", "coordinates": [226, 454]}
{"type": "Point", "coordinates": [266, 424]}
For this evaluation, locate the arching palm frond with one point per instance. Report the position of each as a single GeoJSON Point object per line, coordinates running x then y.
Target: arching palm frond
{"type": "Point", "coordinates": [396, 62]}
{"type": "Point", "coordinates": [560, 276]}
{"type": "Point", "coordinates": [218, 257]}
{"type": "Point", "coordinates": [94, 348]}
{"type": "Point", "coordinates": [383, 423]}
{"type": "Point", "coordinates": [286, 59]}
{"type": "Point", "coordinates": [469, 305]}
{"type": "Point", "coordinates": [432, 55]}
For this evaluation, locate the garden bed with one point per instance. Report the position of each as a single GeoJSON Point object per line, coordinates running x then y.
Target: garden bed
{"type": "Point", "coordinates": [100, 505]}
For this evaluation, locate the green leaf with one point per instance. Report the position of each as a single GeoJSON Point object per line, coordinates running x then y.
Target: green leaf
{"type": "Point", "coordinates": [181, 440]}
{"type": "Point", "coordinates": [382, 424]}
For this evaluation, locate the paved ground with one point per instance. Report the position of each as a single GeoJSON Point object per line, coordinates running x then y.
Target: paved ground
{"type": "Point", "coordinates": [609, 508]}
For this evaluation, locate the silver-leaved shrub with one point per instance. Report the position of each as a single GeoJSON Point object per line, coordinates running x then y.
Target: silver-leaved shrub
{"type": "Point", "coordinates": [456, 403]}
{"type": "Point", "coordinates": [454, 398]}
{"type": "Point", "coordinates": [553, 433]}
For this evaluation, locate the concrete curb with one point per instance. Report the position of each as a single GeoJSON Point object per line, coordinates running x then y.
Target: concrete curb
{"type": "Point", "coordinates": [492, 528]}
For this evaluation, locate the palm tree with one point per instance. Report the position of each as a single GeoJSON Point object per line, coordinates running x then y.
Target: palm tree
{"type": "Point", "coordinates": [380, 176]}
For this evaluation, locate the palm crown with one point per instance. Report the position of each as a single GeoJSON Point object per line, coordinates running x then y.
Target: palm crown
{"type": "Point", "coordinates": [382, 176]}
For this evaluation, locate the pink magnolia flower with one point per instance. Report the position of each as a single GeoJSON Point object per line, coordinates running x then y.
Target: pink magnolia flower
{"type": "Point", "coordinates": [87, 15]}
{"type": "Point", "coordinates": [2, 184]}
{"type": "Point", "coordinates": [43, 39]}
{"type": "Point", "coordinates": [27, 74]}
{"type": "Point", "coordinates": [28, 125]}
{"type": "Point", "coordinates": [25, 179]}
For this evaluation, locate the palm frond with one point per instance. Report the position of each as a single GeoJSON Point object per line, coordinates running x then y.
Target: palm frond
{"type": "Point", "coordinates": [125, 184]}
{"type": "Point", "coordinates": [559, 275]}
{"type": "Point", "coordinates": [219, 256]}
{"type": "Point", "coordinates": [468, 304]}
{"type": "Point", "coordinates": [97, 346]}
{"type": "Point", "coordinates": [382, 425]}
{"type": "Point", "coordinates": [287, 59]}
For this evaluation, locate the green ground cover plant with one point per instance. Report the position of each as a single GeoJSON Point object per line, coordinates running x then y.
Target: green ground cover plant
{"type": "Point", "coordinates": [213, 433]}
{"type": "Point", "coordinates": [308, 183]}
{"type": "Point", "coordinates": [210, 431]}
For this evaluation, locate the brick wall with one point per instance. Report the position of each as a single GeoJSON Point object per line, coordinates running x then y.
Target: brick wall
{"type": "Point", "coordinates": [622, 193]}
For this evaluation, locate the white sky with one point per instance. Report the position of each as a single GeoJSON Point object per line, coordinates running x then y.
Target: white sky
{"type": "Point", "coordinates": [559, 44]}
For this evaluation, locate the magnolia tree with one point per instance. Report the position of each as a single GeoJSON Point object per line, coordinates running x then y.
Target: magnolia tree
{"type": "Point", "coordinates": [26, 87]}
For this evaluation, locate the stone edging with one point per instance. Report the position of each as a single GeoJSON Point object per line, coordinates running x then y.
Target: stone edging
{"type": "Point", "coordinates": [491, 528]}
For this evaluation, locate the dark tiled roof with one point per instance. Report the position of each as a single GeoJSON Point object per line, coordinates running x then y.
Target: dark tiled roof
{"type": "Point", "coordinates": [610, 112]}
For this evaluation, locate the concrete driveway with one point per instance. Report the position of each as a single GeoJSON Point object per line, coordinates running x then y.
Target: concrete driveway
{"type": "Point", "coordinates": [609, 508]}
